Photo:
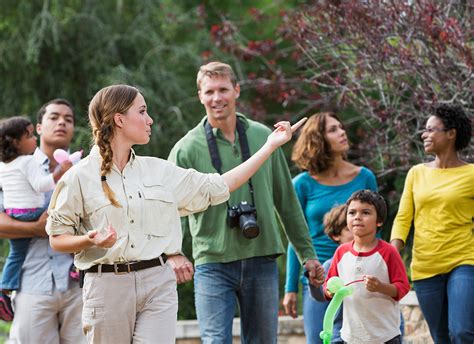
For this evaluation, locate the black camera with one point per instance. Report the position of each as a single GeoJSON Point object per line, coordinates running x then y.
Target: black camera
{"type": "Point", "coordinates": [244, 216]}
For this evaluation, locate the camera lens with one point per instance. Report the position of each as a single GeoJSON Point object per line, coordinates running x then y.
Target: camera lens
{"type": "Point", "coordinates": [249, 226]}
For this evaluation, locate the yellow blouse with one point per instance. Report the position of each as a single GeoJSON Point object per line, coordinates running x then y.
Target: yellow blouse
{"type": "Point", "coordinates": [441, 204]}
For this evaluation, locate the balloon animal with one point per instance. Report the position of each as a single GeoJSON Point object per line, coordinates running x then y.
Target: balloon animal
{"type": "Point", "coordinates": [339, 290]}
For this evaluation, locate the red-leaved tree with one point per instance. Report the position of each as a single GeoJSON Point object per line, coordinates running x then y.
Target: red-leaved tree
{"type": "Point", "coordinates": [384, 64]}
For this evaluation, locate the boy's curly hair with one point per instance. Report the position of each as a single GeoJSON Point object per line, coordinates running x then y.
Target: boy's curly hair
{"type": "Point", "coordinates": [335, 221]}
{"type": "Point", "coordinates": [373, 198]}
{"type": "Point", "coordinates": [12, 129]}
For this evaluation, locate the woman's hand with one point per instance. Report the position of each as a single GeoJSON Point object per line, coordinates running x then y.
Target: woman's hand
{"type": "Point", "coordinates": [289, 303]}
{"type": "Point", "coordinates": [99, 239]}
{"type": "Point", "coordinates": [69, 243]}
{"type": "Point", "coordinates": [283, 132]}
{"type": "Point", "coordinates": [182, 268]}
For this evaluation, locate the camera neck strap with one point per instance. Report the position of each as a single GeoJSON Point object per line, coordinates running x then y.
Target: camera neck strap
{"type": "Point", "coordinates": [214, 151]}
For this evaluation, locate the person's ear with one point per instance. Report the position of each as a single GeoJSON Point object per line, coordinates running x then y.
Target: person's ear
{"type": "Point", "coordinates": [200, 98]}
{"type": "Point", "coordinates": [451, 134]}
{"type": "Point", "coordinates": [15, 143]}
{"type": "Point", "coordinates": [379, 224]}
{"type": "Point", "coordinates": [335, 237]}
{"type": "Point", "coordinates": [118, 120]}
{"type": "Point", "coordinates": [38, 128]}
{"type": "Point", "coordinates": [237, 90]}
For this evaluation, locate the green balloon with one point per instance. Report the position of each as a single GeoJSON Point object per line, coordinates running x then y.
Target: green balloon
{"type": "Point", "coordinates": [336, 286]}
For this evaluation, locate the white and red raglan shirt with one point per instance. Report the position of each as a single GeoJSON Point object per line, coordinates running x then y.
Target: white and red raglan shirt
{"type": "Point", "coordinates": [370, 317]}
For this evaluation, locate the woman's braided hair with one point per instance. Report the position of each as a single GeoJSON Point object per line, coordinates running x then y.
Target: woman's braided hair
{"type": "Point", "coordinates": [102, 108]}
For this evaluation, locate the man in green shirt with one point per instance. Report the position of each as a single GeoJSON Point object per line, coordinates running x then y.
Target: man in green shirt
{"type": "Point", "coordinates": [229, 266]}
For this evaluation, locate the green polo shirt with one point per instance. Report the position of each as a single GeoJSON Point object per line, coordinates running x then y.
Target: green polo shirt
{"type": "Point", "coordinates": [213, 240]}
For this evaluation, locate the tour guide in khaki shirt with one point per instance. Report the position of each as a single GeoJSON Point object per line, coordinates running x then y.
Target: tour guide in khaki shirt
{"type": "Point", "coordinates": [228, 265]}
{"type": "Point", "coordinates": [150, 225]}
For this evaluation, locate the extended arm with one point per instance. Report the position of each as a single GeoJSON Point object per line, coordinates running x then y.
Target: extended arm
{"type": "Point", "coordinates": [240, 174]}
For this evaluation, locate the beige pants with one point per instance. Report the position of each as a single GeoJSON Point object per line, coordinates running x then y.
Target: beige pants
{"type": "Point", "coordinates": [51, 319]}
{"type": "Point", "coordinates": [136, 307]}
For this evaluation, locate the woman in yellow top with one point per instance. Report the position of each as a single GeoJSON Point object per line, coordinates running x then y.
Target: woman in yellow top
{"type": "Point", "coordinates": [120, 213]}
{"type": "Point", "coordinates": [439, 198]}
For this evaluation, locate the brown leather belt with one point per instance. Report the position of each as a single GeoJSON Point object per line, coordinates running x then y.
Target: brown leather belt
{"type": "Point", "coordinates": [123, 268]}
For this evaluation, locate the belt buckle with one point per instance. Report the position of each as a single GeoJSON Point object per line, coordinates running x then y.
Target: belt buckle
{"type": "Point", "coordinates": [121, 272]}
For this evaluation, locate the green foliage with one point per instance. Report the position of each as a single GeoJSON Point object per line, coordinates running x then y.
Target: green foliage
{"type": "Point", "coordinates": [71, 49]}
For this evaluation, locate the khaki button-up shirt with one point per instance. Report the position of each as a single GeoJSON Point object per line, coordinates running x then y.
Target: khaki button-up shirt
{"type": "Point", "coordinates": [152, 192]}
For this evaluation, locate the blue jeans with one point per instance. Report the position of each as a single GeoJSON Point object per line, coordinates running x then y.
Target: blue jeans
{"type": "Point", "coordinates": [253, 283]}
{"type": "Point", "coordinates": [447, 302]}
{"type": "Point", "coordinates": [11, 274]}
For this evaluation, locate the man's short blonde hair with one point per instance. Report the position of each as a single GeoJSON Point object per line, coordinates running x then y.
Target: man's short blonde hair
{"type": "Point", "coordinates": [216, 70]}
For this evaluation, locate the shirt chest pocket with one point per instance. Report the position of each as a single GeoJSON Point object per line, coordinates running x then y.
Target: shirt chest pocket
{"type": "Point", "coordinates": [159, 211]}
{"type": "Point", "coordinates": [97, 209]}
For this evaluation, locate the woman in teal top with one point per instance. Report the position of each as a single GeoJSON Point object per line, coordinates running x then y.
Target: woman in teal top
{"type": "Point", "coordinates": [328, 181]}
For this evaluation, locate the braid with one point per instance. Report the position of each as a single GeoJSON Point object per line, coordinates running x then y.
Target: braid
{"type": "Point", "coordinates": [103, 141]}
{"type": "Point", "coordinates": [102, 108]}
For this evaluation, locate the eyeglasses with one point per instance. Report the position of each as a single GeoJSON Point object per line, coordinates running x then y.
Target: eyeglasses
{"type": "Point", "coordinates": [432, 130]}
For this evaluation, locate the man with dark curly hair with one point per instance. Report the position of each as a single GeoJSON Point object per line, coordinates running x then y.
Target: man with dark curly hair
{"type": "Point", "coordinates": [439, 198]}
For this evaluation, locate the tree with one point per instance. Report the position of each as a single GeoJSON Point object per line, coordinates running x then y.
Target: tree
{"type": "Point", "coordinates": [382, 65]}
{"type": "Point", "coordinates": [71, 49]}
{"type": "Point", "coordinates": [385, 62]}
